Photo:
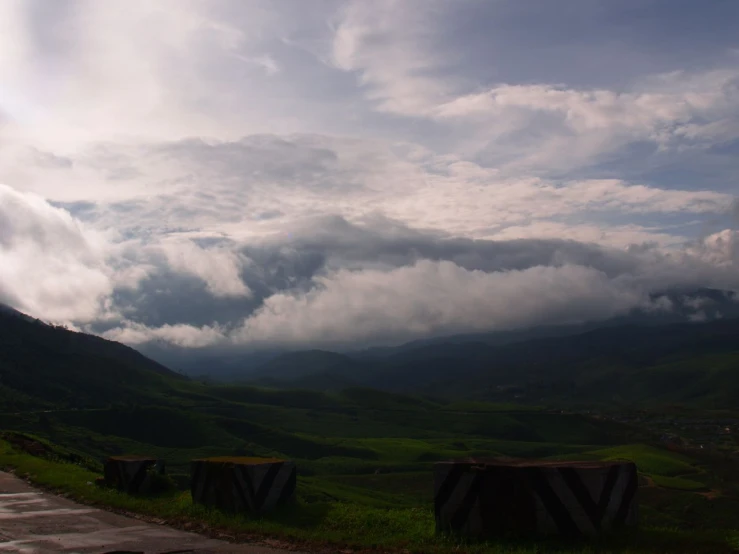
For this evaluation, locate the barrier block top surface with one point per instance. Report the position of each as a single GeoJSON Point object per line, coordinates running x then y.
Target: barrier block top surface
{"type": "Point", "coordinates": [132, 458]}
{"type": "Point", "coordinates": [241, 460]}
{"type": "Point", "coordinates": [555, 464]}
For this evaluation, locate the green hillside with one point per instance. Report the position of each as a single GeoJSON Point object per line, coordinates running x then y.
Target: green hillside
{"type": "Point", "coordinates": [363, 454]}
{"type": "Point", "coordinates": [43, 365]}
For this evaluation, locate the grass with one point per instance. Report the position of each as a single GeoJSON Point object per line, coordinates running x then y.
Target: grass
{"type": "Point", "coordinates": [473, 406]}
{"type": "Point", "coordinates": [649, 459]}
{"type": "Point", "coordinates": [678, 483]}
{"type": "Point", "coordinates": [351, 434]}
{"type": "Point", "coordinates": [339, 512]}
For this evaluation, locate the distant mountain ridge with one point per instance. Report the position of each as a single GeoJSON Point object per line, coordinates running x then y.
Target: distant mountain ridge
{"type": "Point", "coordinates": [684, 305]}
{"type": "Point", "coordinates": [544, 365]}
{"type": "Point", "coordinates": [693, 363]}
{"type": "Point", "coordinates": [295, 365]}
{"type": "Point", "coordinates": [234, 364]}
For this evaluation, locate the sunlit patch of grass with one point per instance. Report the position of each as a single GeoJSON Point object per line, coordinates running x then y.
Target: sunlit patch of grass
{"type": "Point", "coordinates": [649, 459]}
{"type": "Point", "coordinates": [679, 483]}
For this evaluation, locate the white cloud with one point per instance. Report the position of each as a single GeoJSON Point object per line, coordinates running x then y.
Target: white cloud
{"type": "Point", "coordinates": [85, 71]}
{"type": "Point", "coordinates": [218, 267]}
{"type": "Point", "coordinates": [431, 298]}
{"type": "Point", "coordinates": [51, 266]}
{"type": "Point", "coordinates": [187, 336]}
{"type": "Point", "coordinates": [373, 283]}
{"type": "Point", "coordinates": [237, 155]}
{"type": "Point", "coordinates": [266, 62]}
{"type": "Point", "coordinates": [582, 125]}
{"type": "Point", "coordinates": [719, 249]}
{"type": "Point", "coordinates": [619, 236]}
{"type": "Point", "coordinates": [544, 127]}
{"type": "Point", "coordinates": [390, 62]}
{"type": "Point", "coordinates": [673, 99]}
{"type": "Point", "coordinates": [260, 184]}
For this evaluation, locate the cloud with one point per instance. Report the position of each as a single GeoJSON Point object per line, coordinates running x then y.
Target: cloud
{"type": "Point", "coordinates": [719, 249]}
{"type": "Point", "coordinates": [187, 336]}
{"type": "Point", "coordinates": [411, 63]}
{"type": "Point", "coordinates": [435, 297]}
{"type": "Point", "coordinates": [60, 269]}
{"type": "Point", "coordinates": [673, 111]}
{"type": "Point", "coordinates": [267, 63]}
{"type": "Point", "coordinates": [390, 64]}
{"type": "Point", "coordinates": [329, 281]}
{"type": "Point", "coordinates": [51, 265]}
{"type": "Point", "coordinates": [263, 183]}
{"type": "Point", "coordinates": [217, 267]}
{"type": "Point", "coordinates": [341, 284]}
{"type": "Point", "coordinates": [72, 76]}
{"type": "Point", "coordinates": [241, 170]}
{"type": "Point", "coordinates": [237, 223]}
{"type": "Point", "coordinates": [432, 298]}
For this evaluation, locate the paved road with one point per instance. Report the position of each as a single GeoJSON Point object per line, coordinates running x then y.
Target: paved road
{"type": "Point", "coordinates": [34, 522]}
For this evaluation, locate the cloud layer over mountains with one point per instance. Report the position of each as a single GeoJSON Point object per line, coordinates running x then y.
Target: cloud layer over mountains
{"type": "Point", "coordinates": [263, 174]}
{"type": "Point", "coordinates": [327, 281]}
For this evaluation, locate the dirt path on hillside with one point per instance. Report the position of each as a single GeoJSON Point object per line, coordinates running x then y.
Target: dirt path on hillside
{"type": "Point", "coordinates": [36, 522]}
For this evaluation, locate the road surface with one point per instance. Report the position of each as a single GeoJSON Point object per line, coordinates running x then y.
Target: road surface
{"type": "Point", "coordinates": [35, 522]}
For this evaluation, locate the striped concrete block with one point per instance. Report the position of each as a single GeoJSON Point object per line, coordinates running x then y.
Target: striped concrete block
{"type": "Point", "coordinates": [131, 474]}
{"type": "Point", "coordinates": [487, 498]}
{"type": "Point", "coordinates": [239, 484]}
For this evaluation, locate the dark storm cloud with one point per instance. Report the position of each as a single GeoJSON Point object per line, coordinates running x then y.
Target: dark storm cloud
{"type": "Point", "coordinates": [393, 244]}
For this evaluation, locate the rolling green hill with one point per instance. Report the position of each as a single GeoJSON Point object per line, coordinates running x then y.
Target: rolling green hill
{"type": "Point", "coordinates": [362, 453]}
{"type": "Point", "coordinates": [105, 398]}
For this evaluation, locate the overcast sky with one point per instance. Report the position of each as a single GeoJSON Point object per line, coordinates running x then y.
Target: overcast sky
{"type": "Point", "coordinates": [320, 172]}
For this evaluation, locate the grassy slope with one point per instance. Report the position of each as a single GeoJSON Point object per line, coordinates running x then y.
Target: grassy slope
{"type": "Point", "coordinates": [368, 459]}
{"type": "Point", "coordinates": [354, 432]}
{"type": "Point", "coordinates": [364, 456]}
{"type": "Point", "coordinates": [356, 521]}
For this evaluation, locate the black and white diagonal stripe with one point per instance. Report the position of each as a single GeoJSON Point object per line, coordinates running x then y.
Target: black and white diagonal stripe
{"type": "Point", "coordinates": [564, 499]}
{"type": "Point", "coordinates": [574, 502]}
{"type": "Point", "coordinates": [249, 487]}
{"type": "Point", "coordinates": [266, 486]}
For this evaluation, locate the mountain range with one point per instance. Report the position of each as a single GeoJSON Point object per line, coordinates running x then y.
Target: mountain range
{"type": "Point", "coordinates": [685, 354]}
{"type": "Point", "coordinates": [230, 363]}
{"type": "Point", "coordinates": [664, 357]}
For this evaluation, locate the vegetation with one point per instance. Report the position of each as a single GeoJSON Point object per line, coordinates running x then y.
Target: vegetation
{"type": "Point", "coordinates": [611, 368]}
{"type": "Point", "coordinates": [364, 455]}
{"type": "Point", "coordinates": [372, 511]}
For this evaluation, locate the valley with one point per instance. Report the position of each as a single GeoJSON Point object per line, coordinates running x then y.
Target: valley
{"type": "Point", "coordinates": [365, 454]}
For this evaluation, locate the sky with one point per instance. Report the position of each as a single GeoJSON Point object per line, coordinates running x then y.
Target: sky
{"type": "Point", "coordinates": [319, 173]}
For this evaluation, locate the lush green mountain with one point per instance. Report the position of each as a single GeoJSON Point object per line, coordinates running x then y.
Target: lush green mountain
{"type": "Point", "coordinates": [690, 364]}
{"type": "Point", "coordinates": [360, 449]}
{"type": "Point", "coordinates": [103, 398]}
{"type": "Point", "coordinates": [220, 363]}
{"type": "Point", "coordinates": [42, 364]}
{"type": "Point", "coordinates": [234, 364]}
